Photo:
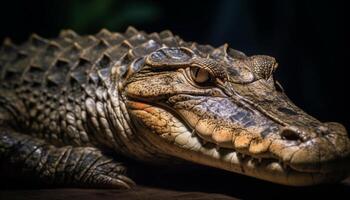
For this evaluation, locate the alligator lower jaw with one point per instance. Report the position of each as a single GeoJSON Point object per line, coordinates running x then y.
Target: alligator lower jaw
{"type": "Point", "coordinates": [268, 169]}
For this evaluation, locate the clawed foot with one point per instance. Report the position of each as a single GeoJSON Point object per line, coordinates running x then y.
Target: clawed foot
{"type": "Point", "coordinates": [110, 175]}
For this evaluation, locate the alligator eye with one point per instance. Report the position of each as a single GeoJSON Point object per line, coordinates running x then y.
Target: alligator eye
{"type": "Point", "coordinates": [200, 75]}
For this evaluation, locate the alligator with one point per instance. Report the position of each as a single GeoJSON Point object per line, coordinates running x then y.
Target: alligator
{"type": "Point", "coordinates": [73, 107]}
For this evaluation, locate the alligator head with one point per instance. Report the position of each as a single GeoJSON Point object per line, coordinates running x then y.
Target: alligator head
{"type": "Point", "coordinates": [225, 110]}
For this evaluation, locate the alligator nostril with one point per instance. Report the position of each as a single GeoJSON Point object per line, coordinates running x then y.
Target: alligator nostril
{"type": "Point", "coordinates": [322, 130]}
{"type": "Point", "coordinates": [290, 134]}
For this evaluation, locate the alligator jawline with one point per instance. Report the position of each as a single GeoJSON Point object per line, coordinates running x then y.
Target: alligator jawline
{"type": "Point", "coordinates": [244, 156]}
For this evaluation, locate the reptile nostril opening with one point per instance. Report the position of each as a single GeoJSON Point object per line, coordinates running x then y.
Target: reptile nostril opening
{"type": "Point", "coordinates": [322, 130]}
{"type": "Point", "coordinates": [289, 134]}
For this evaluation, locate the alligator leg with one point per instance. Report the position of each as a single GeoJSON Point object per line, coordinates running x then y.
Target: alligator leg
{"type": "Point", "coordinates": [67, 165]}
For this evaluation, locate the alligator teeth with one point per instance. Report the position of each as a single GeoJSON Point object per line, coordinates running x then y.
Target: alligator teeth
{"type": "Point", "coordinates": [193, 133]}
{"type": "Point", "coordinates": [217, 147]}
{"type": "Point", "coordinates": [259, 160]}
{"type": "Point", "coordinates": [242, 155]}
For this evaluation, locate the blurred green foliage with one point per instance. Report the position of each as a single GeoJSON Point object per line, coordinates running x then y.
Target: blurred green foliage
{"type": "Point", "coordinates": [86, 15]}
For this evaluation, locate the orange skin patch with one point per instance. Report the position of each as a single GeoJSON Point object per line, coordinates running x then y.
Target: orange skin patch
{"type": "Point", "coordinates": [138, 105]}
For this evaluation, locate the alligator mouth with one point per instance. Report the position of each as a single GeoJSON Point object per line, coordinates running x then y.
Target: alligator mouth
{"type": "Point", "coordinates": [186, 143]}
{"type": "Point", "coordinates": [267, 168]}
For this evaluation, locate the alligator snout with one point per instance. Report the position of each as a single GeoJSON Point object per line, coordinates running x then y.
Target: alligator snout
{"type": "Point", "coordinates": [295, 133]}
{"type": "Point", "coordinates": [324, 149]}
{"type": "Point", "coordinates": [334, 127]}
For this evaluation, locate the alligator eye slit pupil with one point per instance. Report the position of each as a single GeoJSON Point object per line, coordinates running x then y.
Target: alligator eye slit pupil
{"type": "Point", "coordinates": [196, 73]}
{"type": "Point", "coordinates": [201, 76]}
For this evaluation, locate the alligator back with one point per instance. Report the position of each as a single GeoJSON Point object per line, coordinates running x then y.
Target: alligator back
{"type": "Point", "coordinates": [45, 83]}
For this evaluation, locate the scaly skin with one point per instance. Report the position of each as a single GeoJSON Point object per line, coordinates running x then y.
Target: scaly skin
{"type": "Point", "coordinates": [65, 102]}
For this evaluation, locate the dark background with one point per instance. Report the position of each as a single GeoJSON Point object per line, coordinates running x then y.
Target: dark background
{"type": "Point", "coordinates": [308, 38]}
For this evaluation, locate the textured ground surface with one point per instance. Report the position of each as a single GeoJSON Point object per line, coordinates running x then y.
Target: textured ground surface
{"type": "Point", "coordinates": [190, 184]}
{"type": "Point", "coordinates": [137, 193]}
